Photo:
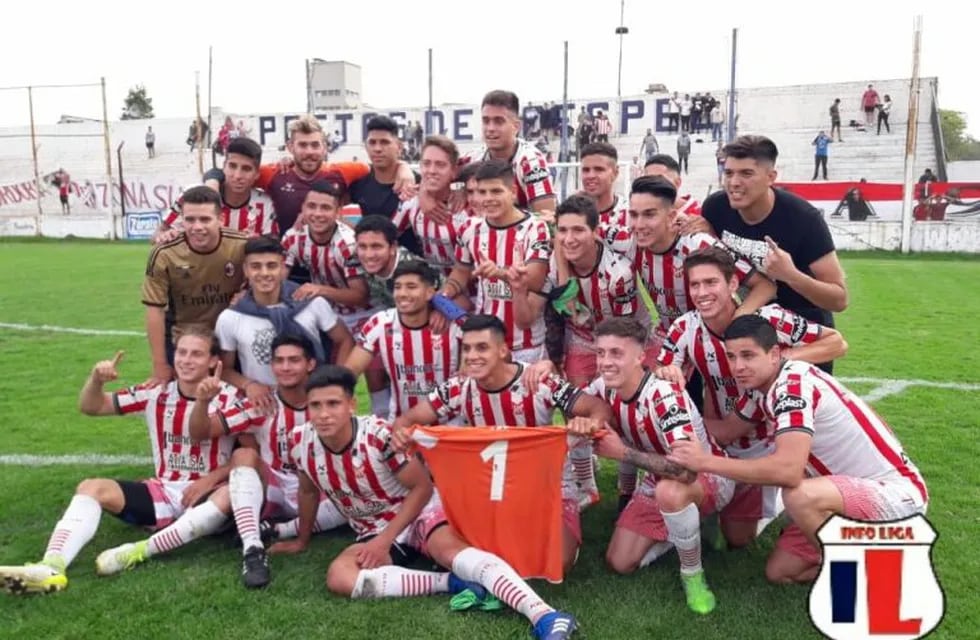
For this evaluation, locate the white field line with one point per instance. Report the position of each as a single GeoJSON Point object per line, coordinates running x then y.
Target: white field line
{"type": "Point", "coordinates": [884, 387]}
{"type": "Point", "coordinates": [54, 329]}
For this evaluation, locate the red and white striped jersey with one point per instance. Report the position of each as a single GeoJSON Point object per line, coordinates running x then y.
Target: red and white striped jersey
{"type": "Point", "coordinates": [609, 290]}
{"type": "Point", "coordinates": [417, 359]}
{"type": "Point", "coordinates": [614, 226]}
{"type": "Point", "coordinates": [530, 239]}
{"type": "Point", "coordinates": [361, 480]}
{"type": "Point", "coordinates": [689, 205]}
{"type": "Point", "coordinates": [255, 217]}
{"type": "Point", "coordinates": [665, 279]}
{"type": "Point", "coordinates": [512, 405]}
{"type": "Point", "coordinates": [531, 175]}
{"type": "Point", "coordinates": [849, 438]}
{"type": "Point", "coordinates": [689, 341]}
{"type": "Point", "coordinates": [603, 126]}
{"type": "Point", "coordinates": [334, 263]}
{"type": "Point", "coordinates": [272, 432]}
{"type": "Point", "coordinates": [175, 456]}
{"type": "Point", "coordinates": [438, 241]}
{"type": "Point", "coordinates": [657, 415]}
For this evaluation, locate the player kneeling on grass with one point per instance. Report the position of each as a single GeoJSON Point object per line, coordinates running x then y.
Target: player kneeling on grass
{"type": "Point", "coordinates": [186, 473]}
{"type": "Point", "coordinates": [388, 500]}
{"type": "Point", "coordinates": [652, 415]}
{"type": "Point", "coordinates": [266, 475]}
{"type": "Point", "coordinates": [833, 454]}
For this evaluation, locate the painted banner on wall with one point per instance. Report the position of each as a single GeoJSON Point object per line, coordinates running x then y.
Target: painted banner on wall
{"type": "Point", "coordinates": [871, 201]}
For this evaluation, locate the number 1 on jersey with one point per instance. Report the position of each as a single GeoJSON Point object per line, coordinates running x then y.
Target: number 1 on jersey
{"type": "Point", "coordinates": [496, 451]}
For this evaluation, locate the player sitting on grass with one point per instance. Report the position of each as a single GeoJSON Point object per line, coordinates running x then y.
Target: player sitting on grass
{"type": "Point", "coordinates": [186, 472]}
{"type": "Point", "coordinates": [388, 500]}
{"type": "Point", "coordinates": [833, 454]}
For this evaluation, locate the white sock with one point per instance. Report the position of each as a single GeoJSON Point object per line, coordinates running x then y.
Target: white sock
{"type": "Point", "coordinates": [76, 527]}
{"type": "Point", "coordinates": [380, 401]}
{"type": "Point", "coordinates": [202, 520]}
{"type": "Point", "coordinates": [473, 565]}
{"type": "Point", "coordinates": [286, 530]}
{"type": "Point", "coordinates": [684, 530]}
{"type": "Point", "coordinates": [392, 581]}
{"type": "Point", "coordinates": [658, 549]}
{"type": "Point", "coordinates": [245, 489]}
{"type": "Point", "coordinates": [581, 457]}
{"type": "Point", "coordinates": [627, 479]}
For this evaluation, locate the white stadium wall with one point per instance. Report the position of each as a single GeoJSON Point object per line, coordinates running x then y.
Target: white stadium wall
{"type": "Point", "coordinates": [791, 116]}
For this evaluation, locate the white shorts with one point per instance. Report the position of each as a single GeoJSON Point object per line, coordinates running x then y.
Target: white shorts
{"type": "Point", "coordinates": [416, 534]}
{"type": "Point", "coordinates": [281, 494]}
{"type": "Point", "coordinates": [167, 496]}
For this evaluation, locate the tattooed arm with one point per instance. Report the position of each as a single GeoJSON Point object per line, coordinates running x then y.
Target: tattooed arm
{"type": "Point", "coordinates": [610, 445]}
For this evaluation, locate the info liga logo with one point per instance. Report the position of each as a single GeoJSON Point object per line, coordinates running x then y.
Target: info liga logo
{"type": "Point", "coordinates": [876, 580]}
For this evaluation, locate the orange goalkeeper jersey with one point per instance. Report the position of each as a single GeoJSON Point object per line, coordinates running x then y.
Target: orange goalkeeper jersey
{"type": "Point", "coordinates": [501, 490]}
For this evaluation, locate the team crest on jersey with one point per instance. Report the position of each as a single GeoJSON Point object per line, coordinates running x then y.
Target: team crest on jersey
{"type": "Point", "coordinates": [184, 270]}
{"type": "Point", "coordinates": [877, 580]}
{"type": "Point", "coordinates": [229, 269]}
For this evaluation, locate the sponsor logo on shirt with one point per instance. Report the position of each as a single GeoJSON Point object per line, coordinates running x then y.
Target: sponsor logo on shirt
{"type": "Point", "coordinates": [786, 402]}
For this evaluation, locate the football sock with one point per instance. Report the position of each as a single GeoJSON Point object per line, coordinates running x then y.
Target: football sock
{"type": "Point", "coordinates": [286, 530]}
{"type": "Point", "coordinates": [76, 527]}
{"type": "Point", "coordinates": [202, 520]}
{"type": "Point", "coordinates": [245, 489]}
{"type": "Point", "coordinates": [392, 581]}
{"type": "Point", "coordinates": [658, 549]}
{"type": "Point", "coordinates": [581, 456]}
{"type": "Point", "coordinates": [380, 402]}
{"type": "Point", "coordinates": [501, 580]}
{"type": "Point", "coordinates": [684, 530]}
{"type": "Point", "coordinates": [627, 479]}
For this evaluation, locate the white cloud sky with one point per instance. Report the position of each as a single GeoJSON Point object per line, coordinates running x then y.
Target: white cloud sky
{"type": "Point", "coordinates": [259, 52]}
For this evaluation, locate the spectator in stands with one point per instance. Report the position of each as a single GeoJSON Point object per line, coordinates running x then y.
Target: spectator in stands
{"type": "Point", "coordinates": [684, 150]}
{"type": "Point", "coordinates": [242, 130]}
{"type": "Point", "coordinates": [151, 140]}
{"type": "Point", "coordinates": [603, 127]}
{"type": "Point", "coordinates": [821, 146]}
{"type": "Point", "coordinates": [785, 236]}
{"type": "Point", "coordinates": [717, 120]}
{"type": "Point", "coordinates": [63, 181]}
{"type": "Point", "coordinates": [835, 119]}
{"type": "Point", "coordinates": [636, 170]}
{"type": "Point", "coordinates": [720, 160]}
{"type": "Point", "coordinates": [686, 106]}
{"type": "Point", "coordinates": [710, 103]}
{"type": "Point", "coordinates": [649, 147]}
{"type": "Point", "coordinates": [869, 102]}
{"type": "Point", "coordinates": [673, 112]}
{"type": "Point", "coordinates": [884, 109]}
{"type": "Point", "coordinates": [928, 176]}
{"type": "Point", "coordinates": [697, 106]}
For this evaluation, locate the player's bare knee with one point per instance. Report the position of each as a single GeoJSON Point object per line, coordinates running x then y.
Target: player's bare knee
{"type": "Point", "coordinates": [797, 498]}
{"type": "Point", "coordinates": [339, 579]}
{"type": "Point", "coordinates": [245, 457]}
{"type": "Point", "coordinates": [97, 488]}
{"type": "Point", "coordinates": [778, 572]}
{"type": "Point", "coordinates": [739, 533]}
{"type": "Point", "coordinates": [222, 499]}
{"type": "Point", "coordinates": [619, 563]}
{"type": "Point", "coordinates": [672, 495]}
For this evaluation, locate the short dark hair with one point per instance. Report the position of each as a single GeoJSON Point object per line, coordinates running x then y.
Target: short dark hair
{"type": "Point", "coordinates": [245, 147]}
{"type": "Point", "coordinates": [427, 274]}
{"type": "Point", "coordinates": [500, 98]}
{"type": "Point", "coordinates": [495, 170]}
{"type": "Point", "coordinates": [468, 171]}
{"type": "Point", "coordinates": [664, 160]}
{"type": "Point", "coordinates": [201, 194]}
{"type": "Point", "coordinates": [758, 148]}
{"type": "Point", "coordinates": [580, 205]}
{"type": "Point", "coordinates": [382, 123]}
{"type": "Point", "coordinates": [481, 322]}
{"type": "Point", "coordinates": [657, 186]}
{"type": "Point", "coordinates": [754, 327]}
{"type": "Point", "coordinates": [332, 375]}
{"type": "Point", "coordinates": [599, 149]}
{"type": "Point", "coordinates": [379, 224]}
{"type": "Point", "coordinates": [714, 256]}
{"type": "Point", "coordinates": [263, 244]}
{"type": "Point", "coordinates": [623, 327]}
{"type": "Point", "coordinates": [294, 340]}
{"type": "Point", "coordinates": [327, 187]}
{"type": "Point", "coordinates": [446, 144]}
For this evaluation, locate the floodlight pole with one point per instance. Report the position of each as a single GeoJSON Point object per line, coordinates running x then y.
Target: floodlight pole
{"type": "Point", "coordinates": [621, 31]}
{"type": "Point", "coordinates": [37, 175]}
{"type": "Point", "coordinates": [911, 137]}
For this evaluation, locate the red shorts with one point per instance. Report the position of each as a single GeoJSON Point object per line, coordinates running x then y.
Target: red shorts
{"type": "Point", "coordinates": [655, 343]}
{"type": "Point", "coordinates": [570, 518]}
{"type": "Point", "coordinates": [580, 361]}
{"type": "Point", "coordinates": [864, 499]}
{"type": "Point", "coordinates": [642, 515]}
{"type": "Point", "coordinates": [752, 502]}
